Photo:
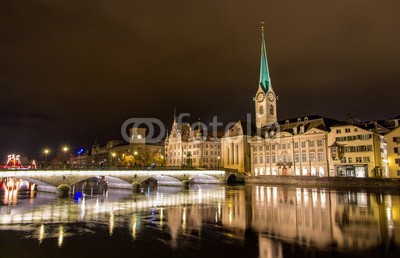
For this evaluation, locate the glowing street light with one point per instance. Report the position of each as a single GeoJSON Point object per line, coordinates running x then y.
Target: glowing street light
{"type": "Point", "coordinates": [113, 155]}
{"type": "Point", "coordinates": [46, 152]}
{"type": "Point", "coordinates": [65, 149]}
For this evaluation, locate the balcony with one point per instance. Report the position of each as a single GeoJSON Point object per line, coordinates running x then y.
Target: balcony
{"type": "Point", "coordinates": [284, 164]}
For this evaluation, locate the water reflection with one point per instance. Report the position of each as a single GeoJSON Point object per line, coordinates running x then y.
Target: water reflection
{"type": "Point", "coordinates": [275, 216]}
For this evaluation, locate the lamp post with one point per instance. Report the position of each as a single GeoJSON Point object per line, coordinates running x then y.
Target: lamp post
{"type": "Point", "coordinates": [135, 153]}
{"type": "Point", "coordinates": [219, 158]}
{"type": "Point", "coordinates": [112, 159]}
{"type": "Point", "coordinates": [46, 152]}
{"type": "Point", "coordinates": [65, 149]}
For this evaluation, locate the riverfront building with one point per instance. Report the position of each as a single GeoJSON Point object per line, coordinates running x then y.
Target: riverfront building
{"type": "Point", "coordinates": [136, 152]}
{"type": "Point", "coordinates": [307, 146]}
{"type": "Point", "coordinates": [356, 152]}
{"type": "Point", "coordinates": [187, 146]}
{"type": "Point", "coordinates": [392, 139]}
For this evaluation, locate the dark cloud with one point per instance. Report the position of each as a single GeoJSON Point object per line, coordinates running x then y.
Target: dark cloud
{"type": "Point", "coordinates": [71, 71]}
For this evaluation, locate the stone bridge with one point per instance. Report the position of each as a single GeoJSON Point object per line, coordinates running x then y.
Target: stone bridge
{"type": "Point", "coordinates": [50, 180]}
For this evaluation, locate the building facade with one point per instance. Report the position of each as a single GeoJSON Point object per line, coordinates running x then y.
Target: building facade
{"type": "Point", "coordinates": [189, 147]}
{"type": "Point", "coordinates": [356, 152]}
{"type": "Point", "coordinates": [137, 152]}
{"type": "Point", "coordinates": [392, 139]}
{"type": "Point", "coordinates": [235, 148]}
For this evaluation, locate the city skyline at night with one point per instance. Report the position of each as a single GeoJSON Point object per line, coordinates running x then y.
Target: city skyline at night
{"type": "Point", "coordinates": [77, 81]}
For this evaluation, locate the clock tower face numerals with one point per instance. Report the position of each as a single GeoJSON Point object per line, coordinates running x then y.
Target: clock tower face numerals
{"type": "Point", "coordinates": [271, 96]}
{"type": "Point", "coordinates": [260, 97]}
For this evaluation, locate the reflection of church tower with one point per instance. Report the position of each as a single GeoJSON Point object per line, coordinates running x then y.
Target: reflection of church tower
{"type": "Point", "coordinates": [265, 99]}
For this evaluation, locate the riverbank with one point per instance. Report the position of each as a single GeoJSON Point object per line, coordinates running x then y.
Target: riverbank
{"type": "Point", "coordinates": [335, 182]}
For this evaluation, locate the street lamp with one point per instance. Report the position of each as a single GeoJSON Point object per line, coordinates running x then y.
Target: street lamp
{"type": "Point", "coordinates": [219, 158]}
{"type": "Point", "coordinates": [65, 149]}
{"type": "Point", "coordinates": [46, 152]}
{"type": "Point", "coordinates": [113, 156]}
{"type": "Point", "coordinates": [135, 153]}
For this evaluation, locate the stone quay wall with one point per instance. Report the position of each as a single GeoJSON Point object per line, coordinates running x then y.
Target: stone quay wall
{"type": "Point", "coordinates": [334, 182]}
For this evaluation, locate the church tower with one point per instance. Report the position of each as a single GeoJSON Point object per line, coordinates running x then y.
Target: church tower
{"type": "Point", "coordinates": [265, 99]}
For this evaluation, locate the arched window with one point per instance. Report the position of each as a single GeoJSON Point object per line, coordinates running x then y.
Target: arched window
{"type": "Point", "coordinates": [271, 110]}
{"type": "Point", "coordinates": [261, 110]}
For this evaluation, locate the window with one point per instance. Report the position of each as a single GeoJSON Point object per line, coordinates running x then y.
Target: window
{"type": "Point", "coordinates": [273, 159]}
{"type": "Point", "coordinates": [397, 161]}
{"type": "Point", "coordinates": [271, 110]}
{"type": "Point", "coordinates": [347, 130]}
{"type": "Point", "coordinates": [279, 146]}
{"type": "Point", "coordinates": [284, 146]}
{"type": "Point", "coordinates": [366, 159]}
{"type": "Point", "coordinates": [358, 159]}
{"type": "Point", "coordinates": [312, 156]}
{"type": "Point", "coordinates": [303, 144]}
{"type": "Point", "coordinates": [261, 160]}
{"type": "Point", "coordinates": [288, 145]}
{"type": "Point", "coordinates": [255, 160]}
{"type": "Point", "coordinates": [320, 156]}
{"type": "Point", "coordinates": [260, 148]}
{"type": "Point", "coordinates": [355, 129]}
{"type": "Point", "coordinates": [303, 157]}
{"type": "Point", "coordinates": [296, 145]}
{"type": "Point", "coordinates": [398, 172]}
{"type": "Point", "coordinates": [338, 131]}
{"type": "Point", "coordinates": [350, 160]}
{"type": "Point", "coordinates": [396, 150]}
{"type": "Point", "coordinates": [319, 143]}
{"type": "Point", "coordinates": [267, 159]}
{"type": "Point", "coordinates": [273, 146]}
{"type": "Point", "coordinates": [261, 110]}
{"type": "Point", "coordinates": [343, 160]}
{"type": "Point", "coordinates": [296, 157]}
{"type": "Point", "coordinates": [311, 143]}
{"type": "Point", "coordinates": [254, 148]}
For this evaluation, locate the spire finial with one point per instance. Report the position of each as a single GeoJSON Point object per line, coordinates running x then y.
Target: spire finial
{"type": "Point", "coordinates": [262, 25]}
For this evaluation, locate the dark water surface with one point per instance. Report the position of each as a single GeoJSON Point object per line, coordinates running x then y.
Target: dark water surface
{"type": "Point", "coordinates": [204, 221]}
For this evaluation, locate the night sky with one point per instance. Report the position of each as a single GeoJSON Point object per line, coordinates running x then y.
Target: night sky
{"type": "Point", "coordinates": [72, 71]}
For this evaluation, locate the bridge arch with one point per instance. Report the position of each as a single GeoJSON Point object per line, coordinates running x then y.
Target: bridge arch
{"type": "Point", "coordinates": [112, 182]}
{"type": "Point", "coordinates": [39, 184]}
{"type": "Point", "coordinates": [203, 179]}
{"type": "Point", "coordinates": [234, 178]}
{"type": "Point", "coordinates": [161, 180]}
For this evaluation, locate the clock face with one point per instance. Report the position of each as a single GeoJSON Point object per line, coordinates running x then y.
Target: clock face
{"type": "Point", "coordinates": [260, 96]}
{"type": "Point", "coordinates": [271, 96]}
{"type": "Point", "coordinates": [139, 136]}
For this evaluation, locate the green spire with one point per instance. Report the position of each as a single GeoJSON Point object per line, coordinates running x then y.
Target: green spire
{"type": "Point", "coordinates": [265, 80]}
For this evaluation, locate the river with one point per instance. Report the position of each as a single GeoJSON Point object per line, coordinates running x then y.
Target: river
{"type": "Point", "coordinates": [202, 221]}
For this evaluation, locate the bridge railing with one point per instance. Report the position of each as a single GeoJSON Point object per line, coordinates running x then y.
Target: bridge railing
{"type": "Point", "coordinates": [127, 168]}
